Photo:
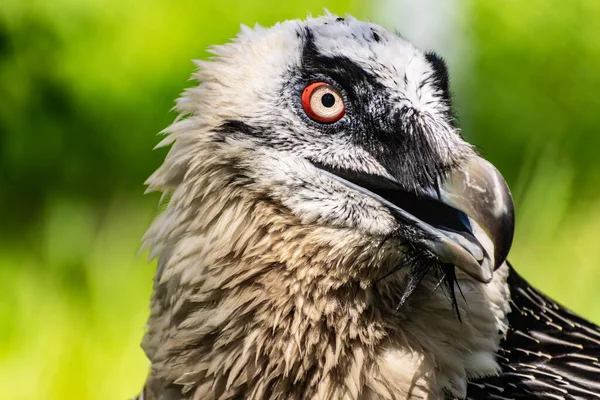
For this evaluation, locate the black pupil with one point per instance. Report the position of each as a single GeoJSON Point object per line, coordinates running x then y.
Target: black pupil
{"type": "Point", "coordinates": [328, 100]}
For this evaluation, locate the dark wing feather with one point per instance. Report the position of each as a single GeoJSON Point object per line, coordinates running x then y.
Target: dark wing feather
{"type": "Point", "coordinates": [548, 353]}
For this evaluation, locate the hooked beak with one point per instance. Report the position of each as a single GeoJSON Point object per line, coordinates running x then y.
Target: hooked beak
{"type": "Point", "coordinates": [468, 222]}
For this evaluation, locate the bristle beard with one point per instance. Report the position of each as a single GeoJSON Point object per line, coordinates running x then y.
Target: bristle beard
{"type": "Point", "coordinates": [420, 264]}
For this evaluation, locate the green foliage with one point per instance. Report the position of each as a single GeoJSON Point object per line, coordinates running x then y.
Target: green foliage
{"type": "Point", "coordinates": [531, 104]}
{"type": "Point", "coordinates": [74, 305]}
{"type": "Point", "coordinates": [534, 87]}
{"type": "Point", "coordinates": [86, 85]}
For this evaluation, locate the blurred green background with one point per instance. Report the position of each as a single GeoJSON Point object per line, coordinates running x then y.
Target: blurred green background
{"type": "Point", "coordinates": [86, 85]}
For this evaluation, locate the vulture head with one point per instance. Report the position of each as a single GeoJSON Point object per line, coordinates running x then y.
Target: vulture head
{"type": "Point", "coordinates": [328, 232]}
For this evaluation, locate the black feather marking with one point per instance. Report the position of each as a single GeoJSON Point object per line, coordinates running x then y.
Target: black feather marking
{"type": "Point", "coordinates": [451, 282]}
{"type": "Point", "coordinates": [392, 271]}
{"type": "Point", "coordinates": [236, 127]}
{"type": "Point", "coordinates": [548, 352]}
{"type": "Point", "coordinates": [376, 36]}
{"type": "Point", "coordinates": [440, 72]}
{"type": "Point", "coordinates": [442, 82]}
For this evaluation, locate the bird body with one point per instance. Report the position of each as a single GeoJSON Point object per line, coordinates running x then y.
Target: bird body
{"type": "Point", "coordinates": [547, 353]}
{"type": "Point", "coordinates": [323, 212]}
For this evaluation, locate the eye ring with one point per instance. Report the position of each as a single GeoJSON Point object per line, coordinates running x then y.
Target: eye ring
{"type": "Point", "coordinates": [323, 103]}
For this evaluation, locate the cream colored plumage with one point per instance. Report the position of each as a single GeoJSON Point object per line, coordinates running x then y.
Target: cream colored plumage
{"type": "Point", "coordinates": [250, 300]}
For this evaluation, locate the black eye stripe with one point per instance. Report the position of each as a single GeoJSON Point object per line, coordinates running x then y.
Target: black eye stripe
{"type": "Point", "coordinates": [342, 70]}
{"type": "Point", "coordinates": [373, 122]}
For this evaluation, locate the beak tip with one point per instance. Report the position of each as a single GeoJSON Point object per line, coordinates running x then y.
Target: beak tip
{"type": "Point", "coordinates": [479, 190]}
{"type": "Point", "coordinates": [487, 271]}
{"type": "Point", "coordinates": [483, 272]}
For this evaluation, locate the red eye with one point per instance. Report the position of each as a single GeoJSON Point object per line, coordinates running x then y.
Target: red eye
{"type": "Point", "coordinates": [323, 103]}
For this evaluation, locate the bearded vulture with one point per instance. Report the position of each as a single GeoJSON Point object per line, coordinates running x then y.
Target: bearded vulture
{"type": "Point", "coordinates": [329, 234]}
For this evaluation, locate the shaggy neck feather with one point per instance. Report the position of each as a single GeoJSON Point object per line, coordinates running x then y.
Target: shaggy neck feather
{"type": "Point", "coordinates": [248, 301]}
